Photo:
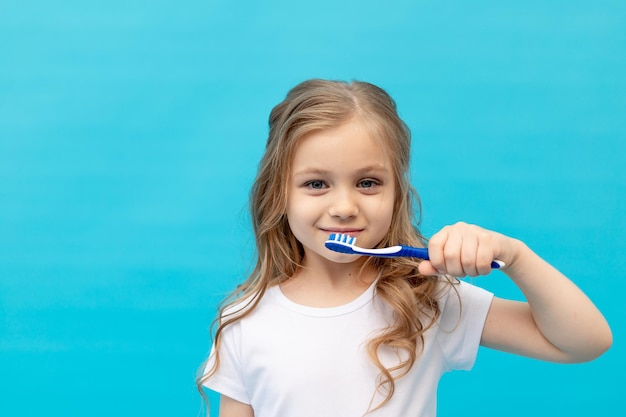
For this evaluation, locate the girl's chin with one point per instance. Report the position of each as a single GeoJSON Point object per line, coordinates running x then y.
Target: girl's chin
{"type": "Point", "coordinates": [343, 258]}
{"type": "Point", "coordinates": [327, 255]}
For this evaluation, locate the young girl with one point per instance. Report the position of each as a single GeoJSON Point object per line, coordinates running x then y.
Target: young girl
{"type": "Point", "coordinates": [317, 333]}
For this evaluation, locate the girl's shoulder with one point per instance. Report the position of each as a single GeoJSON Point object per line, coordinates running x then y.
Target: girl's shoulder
{"type": "Point", "coordinates": [459, 289]}
{"type": "Point", "coordinates": [239, 306]}
{"type": "Point", "coordinates": [460, 299]}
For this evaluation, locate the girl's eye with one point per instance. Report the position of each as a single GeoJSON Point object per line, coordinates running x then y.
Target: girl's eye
{"type": "Point", "coordinates": [315, 185]}
{"type": "Point", "coordinates": [368, 183]}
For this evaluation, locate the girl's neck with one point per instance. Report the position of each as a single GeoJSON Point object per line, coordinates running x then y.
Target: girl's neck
{"type": "Point", "coordinates": [328, 284]}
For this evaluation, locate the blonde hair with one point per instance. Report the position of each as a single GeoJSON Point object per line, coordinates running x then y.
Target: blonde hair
{"type": "Point", "coordinates": [316, 105]}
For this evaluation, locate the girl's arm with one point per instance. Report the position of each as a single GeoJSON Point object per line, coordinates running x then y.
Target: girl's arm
{"type": "Point", "coordinates": [234, 408]}
{"type": "Point", "coordinates": [558, 322]}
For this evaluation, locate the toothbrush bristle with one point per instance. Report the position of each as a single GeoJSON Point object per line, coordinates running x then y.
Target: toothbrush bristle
{"type": "Point", "coordinates": [340, 242]}
{"type": "Point", "coordinates": [343, 238]}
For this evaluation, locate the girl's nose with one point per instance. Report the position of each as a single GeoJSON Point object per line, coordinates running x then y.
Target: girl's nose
{"type": "Point", "coordinates": [343, 206]}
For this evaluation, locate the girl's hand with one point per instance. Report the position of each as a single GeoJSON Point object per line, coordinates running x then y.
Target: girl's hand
{"type": "Point", "coordinates": [464, 249]}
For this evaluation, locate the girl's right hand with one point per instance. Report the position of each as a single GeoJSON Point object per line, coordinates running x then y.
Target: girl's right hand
{"type": "Point", "coordinates": [467, 250]}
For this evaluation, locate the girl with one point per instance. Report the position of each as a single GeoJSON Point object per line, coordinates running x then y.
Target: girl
{"type": "Point", "coordinates": [318, 333]}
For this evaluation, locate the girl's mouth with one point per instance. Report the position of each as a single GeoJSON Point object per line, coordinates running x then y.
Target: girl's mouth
{"type": "Point", "coordinates": [349, 232]}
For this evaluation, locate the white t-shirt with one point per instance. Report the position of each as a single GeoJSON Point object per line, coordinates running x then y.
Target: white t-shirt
{"type": "Point", "coordinates": [289, 360]}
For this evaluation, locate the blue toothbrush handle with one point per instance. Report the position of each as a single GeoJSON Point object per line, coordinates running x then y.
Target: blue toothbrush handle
{"type": "Point", "coordinates": [422, 253]}
{"type": "Point", "coordinates": [411, 252]}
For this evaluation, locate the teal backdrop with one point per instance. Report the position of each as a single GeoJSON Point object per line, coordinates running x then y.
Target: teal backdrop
{"type": "Point", "coordinates": [130, 133]}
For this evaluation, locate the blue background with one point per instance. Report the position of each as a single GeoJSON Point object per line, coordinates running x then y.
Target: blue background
{"type": "Point", "coordinates": [130, 133]}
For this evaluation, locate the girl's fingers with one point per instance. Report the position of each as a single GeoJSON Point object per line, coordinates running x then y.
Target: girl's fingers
{"type": "Point", "coordinates": [460, 250]}
{"type": "Point", "coordinates": [435, 251]}
{"type": "Point", "coordinates": [468, 251]}
{"type": "Point", "coordinates": [452, 253]}
{"type": "Point", "coordinates": [484, 257]}
{"type": "Point", "coordinates": [427, 268]}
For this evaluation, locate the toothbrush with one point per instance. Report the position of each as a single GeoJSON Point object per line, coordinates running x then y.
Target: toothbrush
{"type": "Point", "coordinates": [343, 243]}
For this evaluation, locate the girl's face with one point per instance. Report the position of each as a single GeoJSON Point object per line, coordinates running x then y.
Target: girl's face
{"type": "Point", "coordinates": [341, 182]}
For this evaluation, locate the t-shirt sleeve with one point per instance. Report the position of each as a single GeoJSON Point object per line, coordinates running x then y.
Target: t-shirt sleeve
{"type": "Point", "coordinates": [228, 379]}
{"type": "Point", "coordinates": [460, 326]}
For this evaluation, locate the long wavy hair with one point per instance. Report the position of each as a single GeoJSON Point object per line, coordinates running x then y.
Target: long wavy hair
{"type": "Point", "coordinates": [316, 105]}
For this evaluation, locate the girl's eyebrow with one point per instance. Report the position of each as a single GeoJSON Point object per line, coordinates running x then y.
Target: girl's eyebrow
{"type": "Point", "coordinates": [374, 168]}
{"type": "Point", "coordinates": [309, 171]}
